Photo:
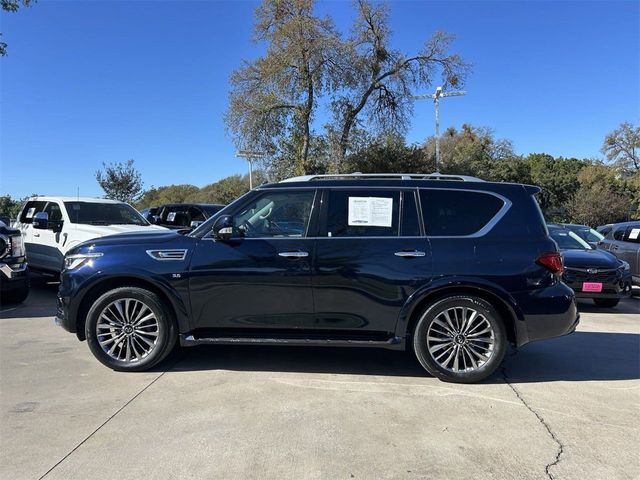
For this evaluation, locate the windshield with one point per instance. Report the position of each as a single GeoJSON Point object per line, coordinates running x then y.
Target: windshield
{"type": "Point", "coordinates": [89, 213]}
{"type": "Point", "coordinates": [588, 234]}
{"type": "Point", "coordinates": [567, 240]}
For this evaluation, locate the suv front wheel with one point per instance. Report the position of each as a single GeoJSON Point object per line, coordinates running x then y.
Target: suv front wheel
{"type": "Point", "coordinates": [460, 339]}
{"type": "Point", "coordinates": [130, 329]}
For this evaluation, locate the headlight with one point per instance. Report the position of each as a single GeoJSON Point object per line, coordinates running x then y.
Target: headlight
{"type": "Point", "coordinates": [17, 246]}
{"type": "Point", "coordinates": [78, 259]}
{"type": "Point", "coordinates": [624, 266]}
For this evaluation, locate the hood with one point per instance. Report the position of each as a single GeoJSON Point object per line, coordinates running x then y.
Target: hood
{"type": "Point", "coordinates": [94, 231]}
{"type": "Point", "coordinates": [589, 258]}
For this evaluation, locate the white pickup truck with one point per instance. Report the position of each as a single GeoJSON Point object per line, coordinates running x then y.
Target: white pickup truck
{"type": "Point", "coordinates": [52, 225]}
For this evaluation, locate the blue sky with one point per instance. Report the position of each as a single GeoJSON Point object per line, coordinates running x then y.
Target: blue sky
{"type": "Point", "coordinates": [87, 82]}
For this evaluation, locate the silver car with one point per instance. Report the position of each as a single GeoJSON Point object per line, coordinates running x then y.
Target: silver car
{"type": "Point", "coordinates": [623, 240]}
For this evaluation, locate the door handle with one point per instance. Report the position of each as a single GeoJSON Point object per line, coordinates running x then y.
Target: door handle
{"type": "Point", "coordinates": [410, 254]}
{"type": "Point", "coordinates": [294, 254]}
{"type": "Point", "coordinates": [614, 247]}
{"type": "Point", "coordinates": [36, 234]}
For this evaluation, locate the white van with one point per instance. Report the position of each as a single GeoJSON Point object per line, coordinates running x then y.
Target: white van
{"type": "Point", "coordinates": [52, 225]}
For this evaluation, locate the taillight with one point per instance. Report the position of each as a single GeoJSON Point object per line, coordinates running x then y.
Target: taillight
{"type": "Point", "coordinates": [552, 261]}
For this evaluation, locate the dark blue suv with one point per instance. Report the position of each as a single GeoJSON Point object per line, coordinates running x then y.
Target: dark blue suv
{"type": "Point", "coordinates": [450, 267]}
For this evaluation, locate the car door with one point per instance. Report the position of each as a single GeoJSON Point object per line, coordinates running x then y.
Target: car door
{"type": "Point", "coordinates": [629, 248]}
{"type": "Point", "coordinates": [370, 257]}
{"type": "Point", "coordinates": [47, 245]}
{"type": "Point", "coordinates": [25, 225]}
{"type": "Point", "coordinates": [261, 278]}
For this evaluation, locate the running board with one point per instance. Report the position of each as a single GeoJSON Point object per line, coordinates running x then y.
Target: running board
{"type": "Point", "coordinates": [189, 340]}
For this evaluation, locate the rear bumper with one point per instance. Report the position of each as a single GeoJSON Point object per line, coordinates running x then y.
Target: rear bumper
{"type": "Point", "coordinates": [547, 313]}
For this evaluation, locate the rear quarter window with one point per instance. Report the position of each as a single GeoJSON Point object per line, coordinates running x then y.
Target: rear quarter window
{"type": "Point", "coordinates": [457, 212]}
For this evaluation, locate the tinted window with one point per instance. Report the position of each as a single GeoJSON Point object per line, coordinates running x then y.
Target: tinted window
{"type": "Point", "coordinates": [30, 209]}
{"type": "Point", "coordinates": [619, 233]}
{"type": "Point", "coordinates": [633, 234]}
{"type": "Point", "coordinates": [276, 214]}
{"type": "Point", "coordinates": [90, 213]}
{"type": "Point", "coordinates": [54, 212]}
{"type": "Point", "coordinates": [362, 213]}
{"type": "Point", "coordinates": [456, 212]}
{"type": "Point", "coordinates": [410, 226]}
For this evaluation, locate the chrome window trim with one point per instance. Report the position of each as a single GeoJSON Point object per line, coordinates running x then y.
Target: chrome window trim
{"type": "Point", "coordinates": [506, 205]}
{"type": "Point", "coordinates": [156, 254]}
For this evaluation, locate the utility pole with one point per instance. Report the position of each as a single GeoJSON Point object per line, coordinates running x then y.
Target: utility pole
{"type": "Point", "coordinates": [436, 100]}
{"type": "Point", "coordinates": [250, 157]}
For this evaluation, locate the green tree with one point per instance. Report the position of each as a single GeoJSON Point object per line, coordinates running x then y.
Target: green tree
{"type": "Point", "coordinates": [600, 198]}
{"type": "Point", "coordinates": [377, 80]}
{"type": "Point", "coordinates": [621, 148]}
{"type": "Point", "coordinates": [120, 181]}
{"type": "Point", "coordinates": [228, 189]}
{"type": "Point", "coordinates": [11, 6]}
{"type": "Point", "coordinates": [276, 95]}
{"type": "Point", "coordinates": [154, 197]}
{"type": "Point", "coordinates": [9, 207]}
{"type": "Point", "coordinates": [470, 151]}
{"type": "Point", "coordinates": [389, 154]}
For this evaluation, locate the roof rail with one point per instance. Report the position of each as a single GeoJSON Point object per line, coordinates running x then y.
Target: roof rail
{"type": "Point", "coordinates": [384, 176]}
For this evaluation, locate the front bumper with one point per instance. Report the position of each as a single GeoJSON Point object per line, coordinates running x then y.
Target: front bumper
{"type": "Point", "coordinates": [13, 276]}
{"type": "Point", "coordinates": [612, 287]}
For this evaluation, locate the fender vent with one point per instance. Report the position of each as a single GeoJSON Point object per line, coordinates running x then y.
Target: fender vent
{"type": "Point", "coordinates": [169, 254]}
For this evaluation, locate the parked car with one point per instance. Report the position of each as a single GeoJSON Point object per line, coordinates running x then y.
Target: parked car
{"type": "Point", "coordinates": [450, 267]}
{"type": "Point", "coordinates": [52, 225]}
{"type": "Point", "coordinates": [183, 216]}
{"type": "Point", "coordinates": [623, 240]}
{"type": "Point", "coordinates": [604, 229]}
{"type": "Point", "coordinates": [585, 232]}
{"type": "Point", "coordinates": [591, 272]}
{"type": "Point", "coordinates": [14, 279]}
{"type": "Point", "coordinates": [148, 213]}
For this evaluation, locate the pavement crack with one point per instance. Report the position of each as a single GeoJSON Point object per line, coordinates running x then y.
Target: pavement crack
{"type": "Point", "coordinates": [554, 437]}
{"type": "Point", "coordinates": [110, 418]}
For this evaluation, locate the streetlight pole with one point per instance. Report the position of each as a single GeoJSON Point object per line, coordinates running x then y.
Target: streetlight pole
{"type": "Point", "coordinates": [250, 157]}
{"type": "Point", "coordinates": [436, 100]}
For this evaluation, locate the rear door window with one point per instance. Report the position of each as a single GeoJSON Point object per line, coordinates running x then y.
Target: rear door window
{"type": "Point", "coordinates": [362, 213]}
{"type": "Point", "coordinates": [457, 212]}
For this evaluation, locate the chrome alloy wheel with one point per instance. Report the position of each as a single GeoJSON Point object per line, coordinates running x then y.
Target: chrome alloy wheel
{"type": "Point", "coordinates": [461, 339]}
{"type": "Point", "coordinates": [127, 330]}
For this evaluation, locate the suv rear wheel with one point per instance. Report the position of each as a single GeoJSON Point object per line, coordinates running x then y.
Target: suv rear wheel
{"type": "Point", "coordinates": [460, 339]}
{"type": "Point", "coordinates": [130, 329]}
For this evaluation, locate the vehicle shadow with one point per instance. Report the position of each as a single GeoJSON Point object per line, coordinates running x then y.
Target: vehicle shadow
{"type": "Point", "coordinates": [629, 305]}
{"type": "Point", "coordinates": [41, 301]}
{"type": "Point", "coordinates": [581, 356]}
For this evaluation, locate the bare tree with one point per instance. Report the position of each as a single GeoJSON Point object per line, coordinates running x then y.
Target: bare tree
{"type": "Point", "coordinates": [379, 80]}
{"type": "Point", "coordinates": [276, 94]}
{"type": "Point", "coordinates": [621, 147]}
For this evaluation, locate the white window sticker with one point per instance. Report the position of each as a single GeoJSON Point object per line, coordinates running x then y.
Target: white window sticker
{"type": "Point", "coordinates": [30, 212]}
{"type": "Point", "coordinates": [633, 234]}
{"type": "Point", "coordinates": [370, 211]}
{"type": "Point", "coordinates": [171, 217]}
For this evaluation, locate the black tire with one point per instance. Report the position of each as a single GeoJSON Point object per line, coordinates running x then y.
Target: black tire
{"type": "Point", "coordinates": [18, 295]}
{"type": "Point", "coordinates": [469, 374]}
{"type": "Point", "coordinates": [606, 302]}
{"type": "Point", "coordinates": [164, 328]}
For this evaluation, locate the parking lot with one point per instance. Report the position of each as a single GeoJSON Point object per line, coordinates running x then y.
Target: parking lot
{"type": "Point", "coordinates": [567, 408]}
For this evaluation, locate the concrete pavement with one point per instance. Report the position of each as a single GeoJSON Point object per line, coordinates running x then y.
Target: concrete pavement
{"type": "Point", "coordinates": [567, 408]}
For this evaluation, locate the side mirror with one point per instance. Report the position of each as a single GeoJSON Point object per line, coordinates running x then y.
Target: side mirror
{"type": "Point", "coordinates": [41, 221]}
{"type": "Point", "coordinates": [196, 223]}
{"type": "Point", "coordinates": [223, 228]}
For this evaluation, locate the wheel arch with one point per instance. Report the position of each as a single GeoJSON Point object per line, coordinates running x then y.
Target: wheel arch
{"type": "Point", "coordinates": [501, 301]}
{"type": "Point", "coordinates": [95, 290]}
